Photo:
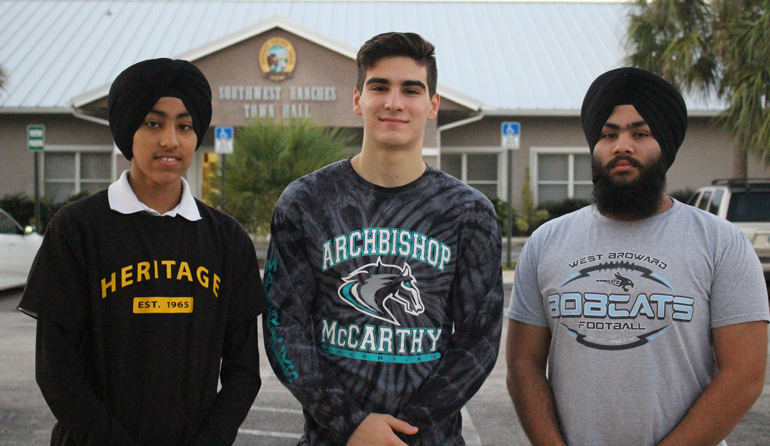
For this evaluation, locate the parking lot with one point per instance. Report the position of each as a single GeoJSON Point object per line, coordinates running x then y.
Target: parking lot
{"type": "Point", "coordinates": [275, 418]}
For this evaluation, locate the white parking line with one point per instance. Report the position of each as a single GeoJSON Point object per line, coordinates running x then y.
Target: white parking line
{"type": "Point", "coordinates": [282, 390]}
{"type": "Point", "coordinates": [269, 433]}
{"type": "Point", "coordinates": [275, 409]}
{"type": "Point", "coordinates": [470, 434]}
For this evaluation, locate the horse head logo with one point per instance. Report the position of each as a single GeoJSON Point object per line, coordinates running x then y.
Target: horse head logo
{"type": "Point", "coordinates": [371, 286]}
{"type": "Point", "coordinates": [619, 281]}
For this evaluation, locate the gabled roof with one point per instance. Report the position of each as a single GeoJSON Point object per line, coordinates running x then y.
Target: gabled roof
{"type": "Point", "coordinates": [523, 57]}
{"type": "Point", "coordinates": [257, 29]}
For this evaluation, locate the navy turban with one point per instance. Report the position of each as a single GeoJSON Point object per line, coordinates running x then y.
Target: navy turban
{"type": "Point", "coordinates": [137, 89]}
{"type": "Point", "coordinates": [657, 101]}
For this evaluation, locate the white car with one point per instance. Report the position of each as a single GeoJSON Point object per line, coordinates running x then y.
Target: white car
{"type": "Point", "coordinates": [746, 203]}
{"type": "Point", "coordinates": [18, 247]}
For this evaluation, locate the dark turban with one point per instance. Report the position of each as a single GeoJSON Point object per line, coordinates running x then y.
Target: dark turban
{"type": "Point", "coordinates": [657, 101]}
{"type": "Point", "coordinates": [137, 89]}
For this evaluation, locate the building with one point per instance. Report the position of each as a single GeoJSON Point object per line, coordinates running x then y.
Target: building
{"type": "Point", "coordinates": [498, 62]}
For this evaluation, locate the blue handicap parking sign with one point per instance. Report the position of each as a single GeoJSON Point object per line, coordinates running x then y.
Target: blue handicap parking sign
{"type": "Point", "coordinates": [223, 140]}
{"type": "Point", "coordinates": [511, 128]}
{"type": "Point", "coordinates": [510, 132]}
{"type": "Point", "coordinates": [224, 133]}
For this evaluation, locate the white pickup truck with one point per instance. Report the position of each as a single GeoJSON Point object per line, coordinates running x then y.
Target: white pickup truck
{"type": "Point", "coordinates": [745, 203]}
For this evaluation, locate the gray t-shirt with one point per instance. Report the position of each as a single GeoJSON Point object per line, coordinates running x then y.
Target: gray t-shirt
{"type": "Point", "coordinates": [630, 306]}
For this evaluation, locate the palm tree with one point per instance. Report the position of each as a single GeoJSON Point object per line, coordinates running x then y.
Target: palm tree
{"type": "Point", "coordinates": [3, 78]}
{"type": "Point", "coordinates": [744, 47]}
{"type": "Point", "coordinates": [267, 156]}
{"type": "Point", "coordinates": [718, 46]}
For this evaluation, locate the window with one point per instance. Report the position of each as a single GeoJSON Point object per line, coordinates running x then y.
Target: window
{"type": "Point", "coordinates": [68, 171]}
{"type": "Point", "coordinates": [716, 201]}
{"type": "Point", "coordinates": [8, 225]}
{"type": "Point", "coordinates": [746, 206]}
{"type": "Point", "coordinates": [694, 199]}
{"type": "Point", "coordinates": [478, 168]}
{"type": "Point", "coordinates": [560, 173]}
{"type": "Point", "coordinates": [704, 201]}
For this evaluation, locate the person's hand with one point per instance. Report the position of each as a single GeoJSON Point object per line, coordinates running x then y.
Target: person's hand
{"type": "Point", "coordinates": [378, 429]}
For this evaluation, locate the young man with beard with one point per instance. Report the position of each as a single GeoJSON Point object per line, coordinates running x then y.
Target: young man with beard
{"type": "Point", "coordinates": [638, 320]}
{"type": "Point", "coordinates": [383, 274]}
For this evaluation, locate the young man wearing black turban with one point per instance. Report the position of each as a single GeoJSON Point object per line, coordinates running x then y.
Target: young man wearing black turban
{"type": "Point", "coordinates": [638, 320]}
{"type": "Point", "coordinates": [146, 298]}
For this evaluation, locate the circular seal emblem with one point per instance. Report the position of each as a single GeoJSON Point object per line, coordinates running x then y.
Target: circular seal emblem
{"type": "Point", "coordinates": [277, 59]}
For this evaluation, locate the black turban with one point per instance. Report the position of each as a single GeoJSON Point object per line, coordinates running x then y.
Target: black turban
{"type": "Point", "coordinates": [656, 100]}
{"type": "Point", "coordinates": [137, 89]}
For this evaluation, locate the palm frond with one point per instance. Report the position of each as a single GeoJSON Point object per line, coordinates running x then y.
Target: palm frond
{"type": "Point", "coordinates": [267, 156]}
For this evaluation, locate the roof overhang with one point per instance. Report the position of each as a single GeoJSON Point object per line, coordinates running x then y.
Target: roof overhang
{"type": "Point", "coordinates": [576, 113]}
{"type": "Point", "coordinates": [35, 110]}
{"type": "Point", "coordinates": [459, 98]}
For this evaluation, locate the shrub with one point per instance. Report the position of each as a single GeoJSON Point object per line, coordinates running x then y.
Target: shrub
{"type": "Point", "coordinates": [529, 218]}
{"type": "Point", "coordinates": [267, 156]}
{"type": "Point", "coordinates": [558, 208]}
{"type": "Point", "coordinates": [22, 208]}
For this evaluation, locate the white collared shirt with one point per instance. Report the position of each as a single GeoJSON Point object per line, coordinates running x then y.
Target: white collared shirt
{"type": "Point", "coordinates": [123, 199]}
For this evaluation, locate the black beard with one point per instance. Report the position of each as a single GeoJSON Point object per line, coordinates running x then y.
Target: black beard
{"type": "Point", "coordinates": [636, 200]}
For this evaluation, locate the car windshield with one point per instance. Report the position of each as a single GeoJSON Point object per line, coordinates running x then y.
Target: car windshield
{"type": "Point", "coordinates": [7, 225]}
{"type": "Point", "coordinates": [748, 206]}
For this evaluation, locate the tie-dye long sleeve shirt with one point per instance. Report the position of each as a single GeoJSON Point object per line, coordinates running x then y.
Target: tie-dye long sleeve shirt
{"type": "Point", "coordinates": [383, 300]}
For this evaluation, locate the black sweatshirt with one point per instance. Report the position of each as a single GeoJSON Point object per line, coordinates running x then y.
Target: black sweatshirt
{"type": "Point", "coordinates": [383, 300]}
{"type": "Point", "coordinates": [135, 315]}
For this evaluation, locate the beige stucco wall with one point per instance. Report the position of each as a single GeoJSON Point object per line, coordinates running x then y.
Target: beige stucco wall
{"type": "Point", "coordinates": [17, 171]}
{"type": "Point", "coordinates": [535, 132]}
{"type": "Point", "coordinates": [316, 66]}
{"type": "Point", "coordinates": [705, 154]}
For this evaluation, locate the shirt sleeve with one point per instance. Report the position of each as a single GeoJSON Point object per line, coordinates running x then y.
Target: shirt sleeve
{"type": "Point", "coordinates": [57, 295]}
{"type": "Point", "coordinates": [57, 287]}
{"type": "Point", "coordinates": [738, 288]}
{"type": "Point", "coordinates": [288, 329]}
{"type": "Point", "coordinates": [476, 303]}
{"type": "Point", "coordinates": [526, 303]}
{"type": "Point", "coordinates": [239, 373]}
{"type": "Point", "coordinates": [60, 375]}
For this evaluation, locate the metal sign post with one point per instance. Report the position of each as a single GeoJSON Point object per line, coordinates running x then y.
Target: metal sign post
{"type": "Point", "coordinates": [36, 144]}
{"type": "Point", "coordinates": [223, 145]}
{"type": "Point", "coordinates": [510, 133]}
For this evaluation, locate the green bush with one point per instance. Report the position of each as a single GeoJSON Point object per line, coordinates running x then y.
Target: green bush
{"type": "Point", "coordinates": [558, 208]}
{"type": "Point", "coordinates": [22, 208]}
{"type": "Point", "coordinates": [529, 218]}
{"type": "Point", "coordinates": [501, 209]}
{"type": "Point", "coordinates": [267, 156]}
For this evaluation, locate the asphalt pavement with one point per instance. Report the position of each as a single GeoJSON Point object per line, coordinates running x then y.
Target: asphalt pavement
{"type": "Point", "coordinates": [275, 418]}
